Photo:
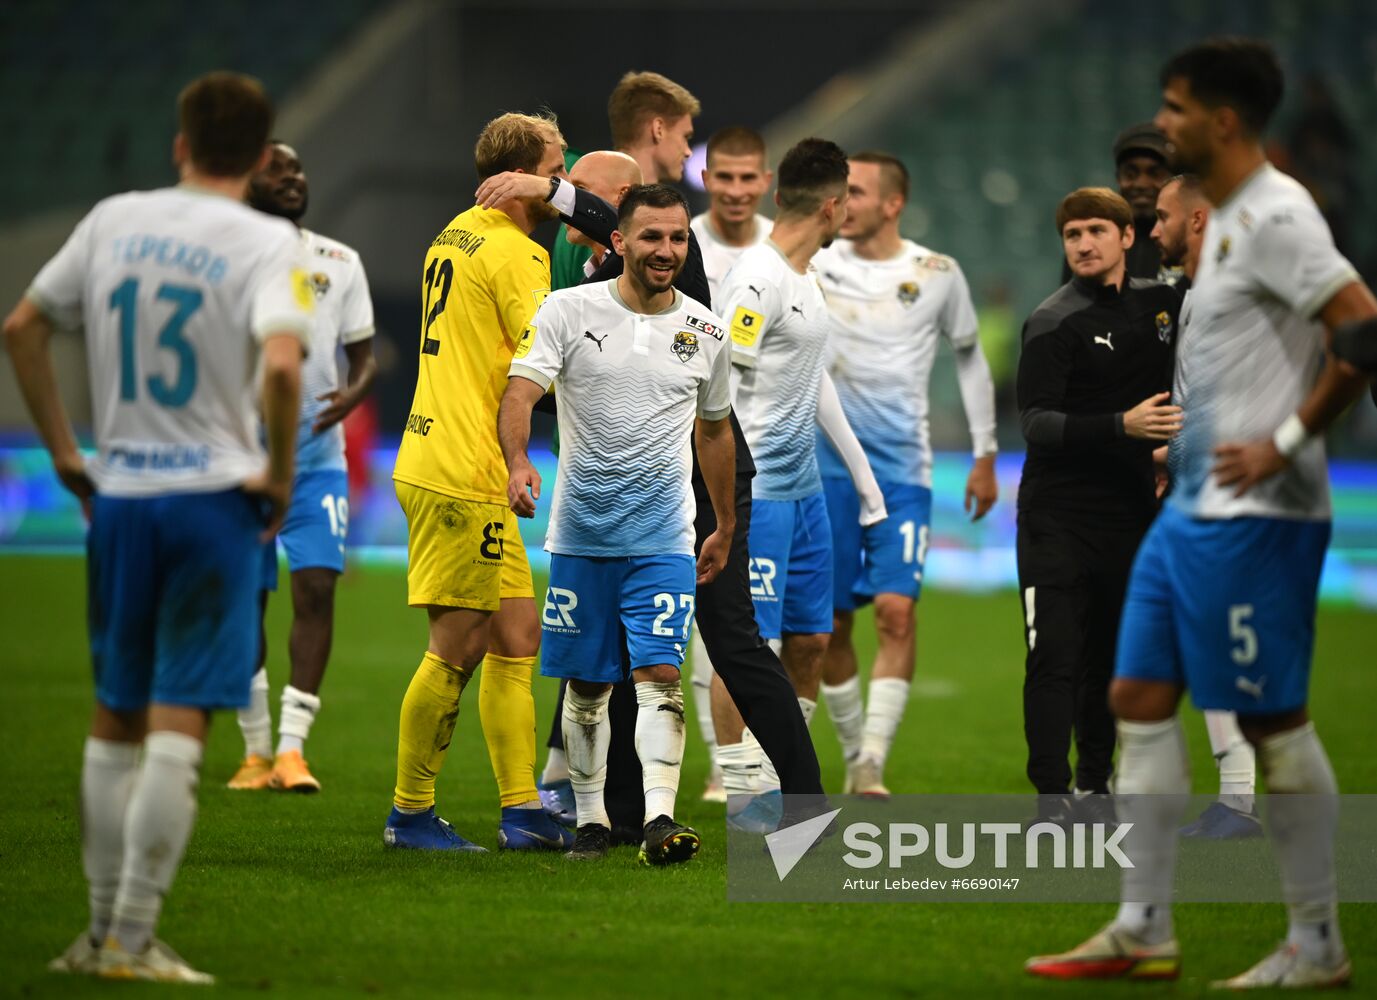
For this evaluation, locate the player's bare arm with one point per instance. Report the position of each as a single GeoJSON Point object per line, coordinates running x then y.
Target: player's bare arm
{"type": "Point", "coordinates": [27, 332]}
{"type": "Point", "coordinates": [1244, 465]}
{"type": "Point", "coordinates": [363, 371]}
{"type": "Point", "coordinates": [514, 435]}
{"type": "Point", "coordinates": [717, 458]}
{"type": "Point", "coordinates": [281, 405]}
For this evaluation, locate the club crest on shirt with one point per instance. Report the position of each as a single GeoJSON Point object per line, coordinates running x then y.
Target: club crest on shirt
{"type": "Point", "coordinates": [908, 292]}
{"type": "Point", "coordinates": [1222, 252]}
{"type": "Point", "coordinates": [1164, 326]}
{"type": "Point", "coordinates": [321, 280]}
{"type": "Point", "coordinates": [685, 345]}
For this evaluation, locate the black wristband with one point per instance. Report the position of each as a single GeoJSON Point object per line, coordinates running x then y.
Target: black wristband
{"type": "Point", "coordinates": [554, 187]}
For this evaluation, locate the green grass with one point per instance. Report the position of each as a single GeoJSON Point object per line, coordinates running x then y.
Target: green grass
{"type": "Point", "coordinates": [298, 896]}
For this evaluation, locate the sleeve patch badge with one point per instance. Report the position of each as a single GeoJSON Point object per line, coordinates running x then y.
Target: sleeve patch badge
{"type": "Point", "coordinates": [746, 326]}
{"type": "Point", "coordinates": [524, 342]}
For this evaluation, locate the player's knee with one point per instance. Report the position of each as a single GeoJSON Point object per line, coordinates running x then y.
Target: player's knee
{"type": "Point", "coordinates": [894, 617]}
{"type": "Point", "coordinates": [1142, 701]}
{"type": "Point", "coordinates": [659, 674]}
{"type": "Point", "coordinates": [313, 593]}
{"type": "Point", "coordinates": [806, 648]}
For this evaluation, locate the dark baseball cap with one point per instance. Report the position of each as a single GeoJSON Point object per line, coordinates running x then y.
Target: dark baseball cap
{"type": "Point", "coordinates": [1142, 138]}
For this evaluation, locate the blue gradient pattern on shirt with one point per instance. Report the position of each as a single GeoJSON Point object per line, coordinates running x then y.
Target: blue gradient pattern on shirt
{"type": "Point", "coordinates": [629, 495]}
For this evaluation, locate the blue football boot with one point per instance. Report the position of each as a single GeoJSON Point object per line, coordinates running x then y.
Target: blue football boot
{"type": "Point", "coordinates": [761, 816]}
{"type": "Point", "coordinates": [557, 799]}
{"type": "Point", "coordinates": [1221, 822]}
{"type": "Point", "coordinates": [424, 832]}
{"type": "Point", "coordinates": [531, 830]}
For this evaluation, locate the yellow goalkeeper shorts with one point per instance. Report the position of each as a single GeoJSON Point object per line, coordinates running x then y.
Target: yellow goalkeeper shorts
{"type": "Point", "coordinates": [462, 553]}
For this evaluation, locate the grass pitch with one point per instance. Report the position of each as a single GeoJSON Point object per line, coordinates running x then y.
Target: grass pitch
{"type": "Point", "coordinates": [297, 896]}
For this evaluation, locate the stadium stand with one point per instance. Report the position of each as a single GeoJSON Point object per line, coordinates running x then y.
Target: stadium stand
{"type": "Point", "coordinates": [89, 85]}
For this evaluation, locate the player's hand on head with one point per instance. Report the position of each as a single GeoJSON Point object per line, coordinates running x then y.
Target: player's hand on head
{"type": "Point", "coordinates": [1154, 419]}
{"type": "Point", "coordinates": [523, 489]}
{"type": "Point", "coordinates": [276, 495]}
{"type": "Point", "coordinates": [1243, 466]}
{"type": "Point", "coordinates": [508, 185]}
{"type": "Point", "coordinates": [712, 557]}
{"type": "Point", "coordinates": [982, 489]}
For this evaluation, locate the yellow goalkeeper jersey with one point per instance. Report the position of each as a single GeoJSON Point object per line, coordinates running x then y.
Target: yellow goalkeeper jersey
{"type": "Point", "coordinates": [483, 280]}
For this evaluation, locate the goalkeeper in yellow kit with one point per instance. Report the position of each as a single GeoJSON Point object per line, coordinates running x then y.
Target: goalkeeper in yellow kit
{"type": "Point", "coordinates": [483, 280]}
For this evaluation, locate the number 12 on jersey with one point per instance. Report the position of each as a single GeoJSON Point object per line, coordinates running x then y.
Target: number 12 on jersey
{"type": "Point", "coordinates": [441, 273]}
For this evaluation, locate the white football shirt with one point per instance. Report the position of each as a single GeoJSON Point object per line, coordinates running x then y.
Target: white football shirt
{"type": "Point", "coordinates": [176, 288]}
{"type": "Point", "coordinates": [887, 317]}
{"type": "Point", "coordinates": [779, 330]}
{"type": "Point", "coordinates": [719, 256]}
{"type": "Point", "coordinates": [629, 387]}
{"type": "Point", "coordinates": [1253, 348]}
{"type": "Point", "coordinates": [344, 315]}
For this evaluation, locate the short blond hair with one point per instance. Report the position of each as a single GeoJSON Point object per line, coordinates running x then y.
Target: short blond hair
{"type": "Point", "coordinates": [639, 97]}
{"type": "Point", "coordinates": [514, 141]}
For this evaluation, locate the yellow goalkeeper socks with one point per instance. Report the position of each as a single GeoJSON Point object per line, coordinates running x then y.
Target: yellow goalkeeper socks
{"type": "Point", "coordinates": [507, 711]}
{"type": "Point", "coordinates": [429, 712]}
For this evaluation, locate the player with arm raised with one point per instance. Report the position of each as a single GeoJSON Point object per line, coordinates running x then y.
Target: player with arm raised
{"type": "Point", "coordinates": [633, 366]}
{"type": "Point", "coordinates": [1223, 592]}
{"type": "Point", "coordinates": [890, 302]}
{"type": "Point", "coordinates": [779, 331]}
{"type": "Point", "coordinates": [313, 534]}
{"type": "Point", "coordinates": [484, 278]}
{"type": "Point", "coordinates": [183, 293]}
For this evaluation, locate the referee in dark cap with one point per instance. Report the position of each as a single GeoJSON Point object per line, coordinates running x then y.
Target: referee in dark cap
{"type": "Point", "coordinates": [1140, 167]}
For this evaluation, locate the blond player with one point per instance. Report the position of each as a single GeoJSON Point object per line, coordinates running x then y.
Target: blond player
{"type": "Point", "coordinates": [483, 280]}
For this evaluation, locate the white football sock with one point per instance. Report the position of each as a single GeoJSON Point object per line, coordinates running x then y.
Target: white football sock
{"type": "Point", "coordinates": [158, 822]}
{"type": "Point", "coordinates": [702, 696]}
{"type": "Point", "coordinates": [1153, 791]}
{"type": "Point", "coordinates": [660, 744]}
{"type": "Point", "coordinates": [556, 767]}
{"type": "Point", "coordinates": [298, 712]}
{"type": "Point", "coordinates": [107, 780]}
{"type": "Point", "coordinates": [844, 707]}
{"type": "Point", "coordinates": [807, 706]}
{"type": "Point", "coordinates": [888, 699]}
{"type": "Point", "coordinates": [255, 722]}
{"type": "Point", "coordinates": [1234, 757]}
{"type": "Point", "coordinates": [740, 764]}
{"type": "Point", "coordinates": [586, 736]}
{"type": "Point", "coordinates": [1303, 818]}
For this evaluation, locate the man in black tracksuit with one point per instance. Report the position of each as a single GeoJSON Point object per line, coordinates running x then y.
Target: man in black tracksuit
{"type": "Point", "coordinates": [1093, 381]}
